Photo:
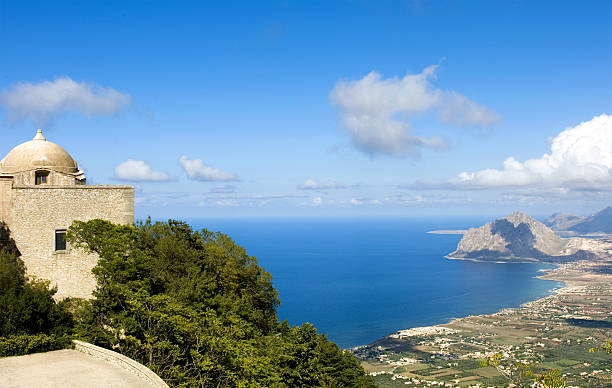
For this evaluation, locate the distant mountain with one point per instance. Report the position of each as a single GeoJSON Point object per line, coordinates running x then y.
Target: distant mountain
{"type": "Point", "coordinates": [562, 221]}
{"type": "Point", "coordinates": [517, 237]}
{"type": "Point", "coordinates": [597, 223]}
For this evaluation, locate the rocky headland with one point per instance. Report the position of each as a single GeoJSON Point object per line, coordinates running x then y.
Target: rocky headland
{"type": "Point", "coordinates": [518, 237]}
{"type": "Point", "coordinates": [553, 332]}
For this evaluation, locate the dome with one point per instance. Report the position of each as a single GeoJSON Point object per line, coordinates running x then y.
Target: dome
{"type": "Point", "coordinates": [38, 153]}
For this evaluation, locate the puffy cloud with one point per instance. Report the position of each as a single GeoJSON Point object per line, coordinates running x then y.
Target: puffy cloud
{"type": "Point", "coordinates": [375, 111]}
{"type": "Point", "coordinates": [43, 101]}
{"type": "Point", "coordinates": [313, 185]}
{"type": "Point", "coordinates": [138, 171]}
{"type": "Point", "coordinates": [580, 158]}
{"type": "Point", "coordinates": [198, 171]}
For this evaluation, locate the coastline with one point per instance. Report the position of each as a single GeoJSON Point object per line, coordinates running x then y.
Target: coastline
{"type": "Point", "coordinates": [555, 331]}
{"type": "Point", "coordinates": [554, 274]}
{"type": "Point", "coordinates": [522, 261]}
{"type": "Point", "coordinates": [549, 275]}
{"type": "Point", "coordinates": [448, 231]}
{"type": "Point", "coordinates": [442, 327]}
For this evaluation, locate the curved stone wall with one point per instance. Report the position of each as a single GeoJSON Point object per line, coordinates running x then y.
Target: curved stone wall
{"type": "Point", "coordinates": [121, 361]}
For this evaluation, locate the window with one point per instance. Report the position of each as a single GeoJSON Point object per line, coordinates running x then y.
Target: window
{"type": "Point", "coordinates": [60, 240]}
{"type": "Point", "coordinates": [41, 177]}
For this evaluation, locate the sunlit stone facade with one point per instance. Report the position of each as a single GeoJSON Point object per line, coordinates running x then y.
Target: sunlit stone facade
{"type": "Point", "coordinates": [42, 191]}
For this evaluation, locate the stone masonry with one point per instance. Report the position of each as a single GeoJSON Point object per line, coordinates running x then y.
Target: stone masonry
{"type": "Point", "coordinates": [36, 210]}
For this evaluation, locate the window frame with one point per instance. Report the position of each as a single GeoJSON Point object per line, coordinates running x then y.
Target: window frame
{"type": "Point", "coordinates": [55, 234]}
{"type": "Point", "coordinates": [41, 174]}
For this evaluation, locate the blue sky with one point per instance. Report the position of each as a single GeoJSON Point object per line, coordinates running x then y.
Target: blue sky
{"type": "Point", "coordinates": [320, 108]}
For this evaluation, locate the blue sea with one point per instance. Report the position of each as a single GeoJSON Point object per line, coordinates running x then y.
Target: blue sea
{"type": "Point", "coordinates": [359, 279]}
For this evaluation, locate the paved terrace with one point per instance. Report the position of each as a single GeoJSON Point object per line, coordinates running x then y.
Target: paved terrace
{"type": "Point", "coordinates": [64, 368]}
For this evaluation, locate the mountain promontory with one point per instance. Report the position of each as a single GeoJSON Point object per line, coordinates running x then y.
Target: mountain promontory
{"type": "Point", "coordinates": [518, 237]}
{"type": "Point", "coordinates": [598, 224]}
{"type": "Point", "coordinates": [562, 221]}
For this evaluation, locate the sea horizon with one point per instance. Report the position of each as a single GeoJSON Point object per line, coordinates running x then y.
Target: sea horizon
{"type": "Point", "coordinates": [358, 279]}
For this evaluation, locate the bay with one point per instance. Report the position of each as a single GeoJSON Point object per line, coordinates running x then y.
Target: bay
{"type": "Point", "coordinates": [359, 279]}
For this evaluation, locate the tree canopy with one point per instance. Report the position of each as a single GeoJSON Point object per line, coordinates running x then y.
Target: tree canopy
{"type": "Point", "coordinates": [199, 311]}
{"type": "Point", "coordinates": [27, 305]}
{"type": "Point", "coordinates": [31, 320]}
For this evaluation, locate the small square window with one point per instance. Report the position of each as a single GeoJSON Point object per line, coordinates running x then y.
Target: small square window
{"type": "Point", "coordinates": [41, 177]}
{"type": "Point", "coordinates": [60, 240]}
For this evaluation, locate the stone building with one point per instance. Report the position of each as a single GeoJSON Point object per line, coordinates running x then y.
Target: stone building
{"type": "Point", "coordinates": [42, 191]}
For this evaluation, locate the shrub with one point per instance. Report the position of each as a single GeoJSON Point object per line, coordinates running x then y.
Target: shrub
{"type": "Point", "coordinates": [19, 345]}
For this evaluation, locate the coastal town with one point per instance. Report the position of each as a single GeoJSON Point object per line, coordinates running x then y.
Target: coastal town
{"type": "Point", "coordinates": [567, 331]}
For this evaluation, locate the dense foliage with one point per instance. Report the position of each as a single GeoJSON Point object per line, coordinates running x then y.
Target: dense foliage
{"type": "Point", "coordinates": [19, 345]}
{"type": "Point", "coordinates": [31, 320]}
{"type": "Point", "coordinates": [195, 308]}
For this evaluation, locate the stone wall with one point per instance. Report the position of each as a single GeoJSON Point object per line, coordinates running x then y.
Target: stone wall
{"type": "Point", "coordinates": [55, 178]}
{"type": "Point", "coordinates": [121, 361]}
{"type": "Point", "coordinates": [38, 211]}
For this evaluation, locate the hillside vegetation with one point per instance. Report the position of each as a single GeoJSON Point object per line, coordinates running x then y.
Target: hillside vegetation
{"type": "Point", "coordinates": [192, 306]}
{"type": "Point", "coordinates": [199, 311]}
{"type": "Point", "coordinates": [31, 320]}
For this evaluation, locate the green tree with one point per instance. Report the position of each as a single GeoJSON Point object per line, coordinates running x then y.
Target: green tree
{"type": "Point", "coordinates": [606, 348]}
{"type": "Point", "coordinates": [551, 379]}
{"type": "Point", "coordinates": [31, 320]}
{"type": "Point", "coordinates": [199, 311]}
{"type": "Point", "coordinates": [27, 305]}
{"type": "Point", "coordinates": [520, 373]}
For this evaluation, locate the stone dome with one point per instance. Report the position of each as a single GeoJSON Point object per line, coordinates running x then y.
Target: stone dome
{"type": "Point", "coordinates": [38, 153]}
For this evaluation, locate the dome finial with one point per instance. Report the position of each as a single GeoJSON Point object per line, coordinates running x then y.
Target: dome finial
{"type": "Point", "coordinates": [39, 135]}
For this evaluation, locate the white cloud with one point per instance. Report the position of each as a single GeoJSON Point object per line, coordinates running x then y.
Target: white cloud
{"type": "Point", "coordinates": [580, 158]}
{"type": "Point", "coordinates": [227, 202]}
{"type": "Point", "coordinates": [43, 101]}
{"type": "Point", "coordinates": [375, 111]}
{"type": "Point", "coordinates": [206, 198]}
{"type": "Point", "coordinates": [225, 189]}
{"type": "Point", "coordinates": [138, 171]}
{"type": "Point", "coordinates": [317, 201]}
{"type": "Point", "coordinates": [464, 112]}
{"type": "Point", "coordinates": [313, 185]}
{"type": "Point", "coordinates": [364, 201]}
{"type": "Point", "coordinates": [407, 199]}
{"type": "Point", "coordinates": [198, 171]}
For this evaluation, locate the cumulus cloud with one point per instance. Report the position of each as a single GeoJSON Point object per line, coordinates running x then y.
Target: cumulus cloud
{"type": "Point", "coordinates": [43, 101]}
{"type": "Point", "coordinates": [198, 171]}
{"type": "Point", "coordinates": [375, 111]}
{"type": "Point", "coordinates": [138, 171]}
{"type": "Point", "coordinates": [580, 158]}
{"type": "Point", "coordinates": [313, 185]}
